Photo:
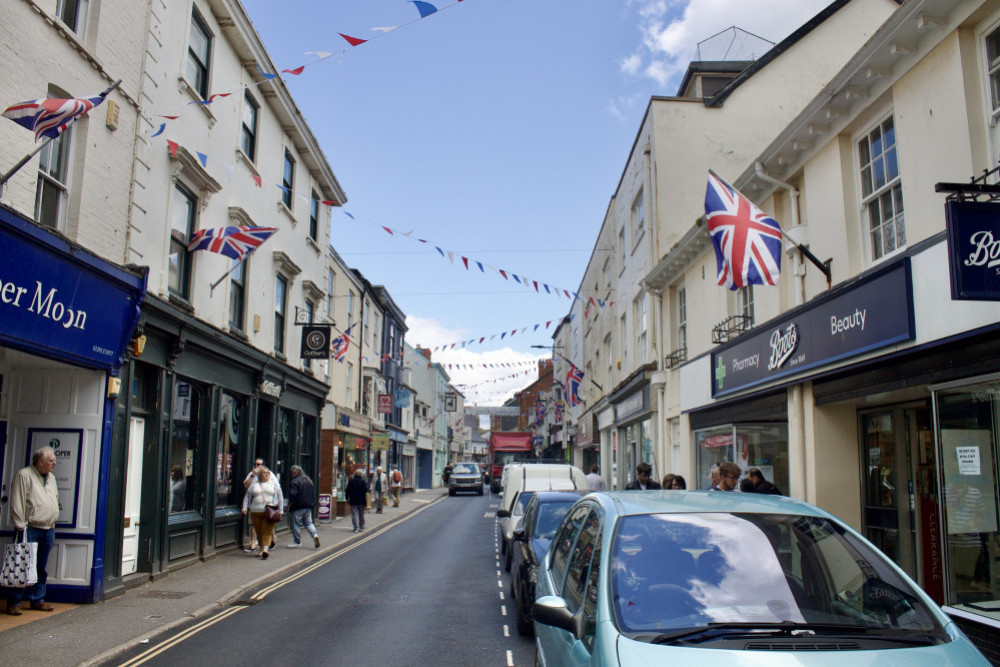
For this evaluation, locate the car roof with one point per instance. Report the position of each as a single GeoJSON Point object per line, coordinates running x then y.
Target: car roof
{"type": "Point", "coordinates": [680, 502]}
{"type": "Point", "coordinates": [558, 496]}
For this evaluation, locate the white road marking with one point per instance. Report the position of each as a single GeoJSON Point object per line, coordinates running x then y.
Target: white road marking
{"type": "Point", "coordinates": [498, 573]}
{"type": "Point", "coordinates": [487, 515]}
{"type": "Point", "coordinates": [510, 659]}
{"type": "Point", "coordinates": [501, 595]}
{"type": "Point", "coordinates": [506, 631]}
{"type": "Point", "coordinates": [499, 584]}
{"type": "Point", "coordinates": [503, 609]}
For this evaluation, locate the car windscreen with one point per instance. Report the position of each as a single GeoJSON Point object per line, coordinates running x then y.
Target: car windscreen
{"type": "Point", "coordinates": [548, 517]}
{"type": "Point", "coordinates": [522, 502]}
{"type": "Point", "coordinates": [465, 469]}
{"type": "Point", "coordinates": [677, 571]}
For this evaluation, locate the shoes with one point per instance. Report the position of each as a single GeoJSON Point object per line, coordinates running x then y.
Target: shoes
{"type": "Point", "coordinates": [250, 550]}
{"type": "Point", "coordinates": [13, 609]}
{"type": "Point", "coordinates": [316, 540]}
{"type": "Point", "coordinates": [354, 530]}
{"type": "Point", "coordinates": [293, 545]}
{"type": "Point", "coordinates": [42, 606]}
{"type": "Point", "coordinates": [263, 555]}
{"type": "Point", "coordinates": [272, 544]}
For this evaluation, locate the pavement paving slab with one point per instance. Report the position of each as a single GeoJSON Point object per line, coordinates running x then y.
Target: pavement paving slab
{"type": "Point", "coordinates": [94, 633]}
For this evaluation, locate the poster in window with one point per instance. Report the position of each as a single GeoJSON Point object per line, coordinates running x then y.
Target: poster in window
{"type": "Point", "coordinates": [67, 445]}
{"type": "Point", "coordinates": [970, 504]}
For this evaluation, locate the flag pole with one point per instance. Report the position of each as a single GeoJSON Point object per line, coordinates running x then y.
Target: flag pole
{"type": "Point", "coordinates": [226, 274]}
{"type": "Point", "coordinates": [10, 174]}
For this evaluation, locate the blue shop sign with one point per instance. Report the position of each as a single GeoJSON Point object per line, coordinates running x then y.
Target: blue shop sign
{"type": "Point", "coordinates": [60, 301]}
{"type": "Point", "coordinates": [974, 250]}
{"type": "Point", "coordinates": [875, 312]}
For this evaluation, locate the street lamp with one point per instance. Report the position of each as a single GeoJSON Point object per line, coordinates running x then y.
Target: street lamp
{"type": "Point", "coordinates": [553, 349]}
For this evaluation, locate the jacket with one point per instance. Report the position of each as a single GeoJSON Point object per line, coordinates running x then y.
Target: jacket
{"type": "Point", "coordinates": [34, 500]}
{"type": "Point", "coordinates": [384, 479]}
{"type": "Point", "coordinates": [650, 485]}
{"type": "Point", "coordinates": [259, 495]}
{"type": "Point", "coordinates": [356, 489]}
{"type": "Point", "coordinates": [301, 493]}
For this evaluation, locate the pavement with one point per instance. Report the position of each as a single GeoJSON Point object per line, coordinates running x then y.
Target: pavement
{"type": "Point", "coordinates": [95, 633]}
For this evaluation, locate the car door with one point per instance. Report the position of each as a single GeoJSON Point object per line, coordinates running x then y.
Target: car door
{"type": "Point", "coordinates": [522, 551]}
{"type": "Point", "coordinates": [548, 640]}
{"type": "Point", "coordinates": [579, 590]}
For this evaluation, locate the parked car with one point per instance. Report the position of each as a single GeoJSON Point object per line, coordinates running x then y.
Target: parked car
{"type": "Point", "coordinates": [529, 545]}
{"type": "Point", "coordinates": [521, 477]}
{"type": "Point", "coordinates": [465, 477]}
{"type": "Point", "coordinates": [707, 578]}
{"type": "Point", "coordinates": [510, 523]}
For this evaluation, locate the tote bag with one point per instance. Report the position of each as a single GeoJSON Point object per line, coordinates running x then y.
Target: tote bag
{"type": "Point", "coordinates": [19, 564]}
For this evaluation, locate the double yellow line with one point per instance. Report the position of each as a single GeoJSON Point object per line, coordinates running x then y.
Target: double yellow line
{"type": "Point", "coordinates": [261, 594]}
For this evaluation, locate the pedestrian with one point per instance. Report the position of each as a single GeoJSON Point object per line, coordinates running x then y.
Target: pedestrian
{"type": "Point", "coordinates": [675, 482]}
{"type": "Point", "coordinates": [729, 476]}
{"type": "Point", "coordinates": [380, 487]}
{"type": "Point", "coordinates": [396, 485]}
{"type": "Point", "coordinates": [594, 480]}
{"type": "Point", "coordinates": [247, 481]}
{"type": "Point", "coordinates": [642, 481]}
{"type": "Point", "coordinates": [746, 485]}
{"type": "Point", "coordinates": [356, 491]}
{"type": "Point", "coordinates": [301, 500]}
{"type": "Point", "coordinates": [34, 509]}
{"type": "Point", "coordinates": [760, 483]}
{"type": "Point", "coordinates": [714, 474]}
{"type": "Point", "coordinates": [264, 492]}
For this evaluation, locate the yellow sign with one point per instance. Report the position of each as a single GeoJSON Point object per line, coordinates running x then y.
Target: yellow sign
{"type": "Point", "coordinates": [380, 441]}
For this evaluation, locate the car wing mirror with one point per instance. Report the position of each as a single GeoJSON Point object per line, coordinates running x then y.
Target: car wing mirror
{"type": "Point", "coordinates": [518, 535]}
{"type": "Point", "coordinates": [552, 610]}
{"type": "Point", "coordinates": [503, 514]}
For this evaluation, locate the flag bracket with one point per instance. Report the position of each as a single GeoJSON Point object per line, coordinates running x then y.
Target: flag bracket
{"type": "Point", "coordinates": [821, 265]}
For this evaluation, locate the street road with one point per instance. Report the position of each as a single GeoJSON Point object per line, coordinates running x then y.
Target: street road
{"type": "Point", "coordinates": [428, 590]}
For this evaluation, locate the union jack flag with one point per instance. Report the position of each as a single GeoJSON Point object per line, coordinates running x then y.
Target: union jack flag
{"type": "Point", "coordinates": [747, 241]}
{"type": "Point", "coordinates": [50, 116]}
{"type": "Point", "coordinates": [539, 412]}
{"type": "Point", "coordinates": [235, 242]}
{"type": "Point", "coordinates": [558, 411]}
{"type": "Point", "coordinates": [340, 345]}
{"type": "Point", "coordinates": [573, 379]}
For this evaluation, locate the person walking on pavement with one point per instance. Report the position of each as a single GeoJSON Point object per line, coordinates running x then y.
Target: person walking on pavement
{"type": "Point", "coordinates": [642, 481]}
{"type": "Point", "coordinates": [247, 481]}
{"type": "Point", "coordinates": [729, 477]}
{"type": "Point", "coordinates": [264, 492]}
{"type": "Point", "coordinates": [34, 509]}
{"type": "Point", "coordinates": [395, 484]}
{"type": "Point", "coordinates": [594, 480]}
{"type": "Point", "coordinates": [357, 489]}
{"type": "Point", "coordinates": [380, 486]}
{"type": "Point", "coordinates": [301, 494]}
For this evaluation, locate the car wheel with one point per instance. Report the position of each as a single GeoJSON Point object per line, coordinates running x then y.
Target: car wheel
{"type": "Point", "coordinates": [480, 490]}
{"type": "Point", "coordinates": [525, 626]}
{"type": "Point", "coordinates": [509, 561]}
{"type": "Point", "coordinates": [451, 492]}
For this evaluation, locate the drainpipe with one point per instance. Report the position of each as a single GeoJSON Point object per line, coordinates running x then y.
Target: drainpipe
{"type": "Point", "coordinates": [797, 449]}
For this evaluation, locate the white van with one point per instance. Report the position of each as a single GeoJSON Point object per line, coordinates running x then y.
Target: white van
{"type": "Point", "coordinates": [521, 477]}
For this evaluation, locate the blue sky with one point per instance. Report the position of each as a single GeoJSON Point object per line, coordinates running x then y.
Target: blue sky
{"type": "Point", "coordinates": [496, 130]}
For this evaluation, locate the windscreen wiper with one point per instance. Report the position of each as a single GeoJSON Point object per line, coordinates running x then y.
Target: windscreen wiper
{"type": "Point", "coordinates": [793, 629]}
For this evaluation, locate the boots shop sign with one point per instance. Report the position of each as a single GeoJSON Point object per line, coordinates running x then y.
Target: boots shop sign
{"type": "Point", "coordinates": [58, 300]}
{"type": "Point", "coordinates": [974, 250]}
{"type": "Point", "coordinates": [869, 314]}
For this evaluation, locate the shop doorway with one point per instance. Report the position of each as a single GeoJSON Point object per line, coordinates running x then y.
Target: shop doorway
{"type": "Point", "coordinates": [132, 500]}
{"type": "Point", "coordinates": [901, 492]}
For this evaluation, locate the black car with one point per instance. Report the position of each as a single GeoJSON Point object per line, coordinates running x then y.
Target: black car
{"type": "Point", "coordinates": [530, 543]}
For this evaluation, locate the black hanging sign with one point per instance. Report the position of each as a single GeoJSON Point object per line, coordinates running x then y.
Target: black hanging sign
{"type": "Point", "coordinates": [315, 341]}
{"type": "Point", "coordinates": [974, 250]}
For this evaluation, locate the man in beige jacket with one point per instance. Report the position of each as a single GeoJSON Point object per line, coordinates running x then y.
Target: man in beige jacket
{"type": "Point", "coordinates": [34, 507]}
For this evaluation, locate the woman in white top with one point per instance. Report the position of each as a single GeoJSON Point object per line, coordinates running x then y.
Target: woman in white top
{"type": "Point", "coordinates": [265, 490]}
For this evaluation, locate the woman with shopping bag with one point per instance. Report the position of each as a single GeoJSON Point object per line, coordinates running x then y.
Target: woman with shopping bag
{"type": "Point", "coordinates": [34, 509]}
{"type": "Point", "coordinates": [265, 504]}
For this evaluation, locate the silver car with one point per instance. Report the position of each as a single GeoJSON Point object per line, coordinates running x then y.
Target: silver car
{"type": "Point", "coordinates": [465, 477]}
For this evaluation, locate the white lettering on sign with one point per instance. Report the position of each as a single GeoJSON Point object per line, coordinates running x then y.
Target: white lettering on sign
{"type": "Point", "coordinates": [753, 361]}
{"type": "Point", "coordinates": [783, 345]}
{"type": "Point", "coordinates": [269, 388]}
{"type": "Point", "coordinates": [986, 251]}
{"type": "Point", "coordinates": [45, 304]}
{"type": "Point", "coordinates": [842, 324]}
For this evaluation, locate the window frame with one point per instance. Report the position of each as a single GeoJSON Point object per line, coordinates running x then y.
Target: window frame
{"type": "Point", "coordinates": [202, 70]}
{"type": "Point", "coordinates": [681, 312]}
{"type": "Point", "coordinates": [237, 295]}
{"type": "Point", "coordinates": [891, 188]}
{"type": "Point", "coordinates": [248, 135]}
{"type": "Point", "coordinates": [77, 20]}
{"type": "Point", "coordinates": [183, 289]}
{"type": "Point", "coordinates": [280, 312]}
{"type": "Point", "coordinates": [314, 216]}
{"type": "Point", "coordinates": [287, 179]}
{"type": "Point", "coordinates": [637, 215]}
{"type": "Point", "coordinates": [59, 184]}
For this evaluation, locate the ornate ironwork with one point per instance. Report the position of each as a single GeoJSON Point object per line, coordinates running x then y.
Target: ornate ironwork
{"type": "Point", "coordinates": [676, 358]}
{"type": "Point", "coordinates": [730, 328]}
{"type": "Point", "coordinates": [986, 185]}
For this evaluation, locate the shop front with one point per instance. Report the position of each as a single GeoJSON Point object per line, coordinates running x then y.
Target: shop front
{"type": "Point", "coordinates": [633, 428]}
{"type": "Point", "coordinates": [348, 443]}
{"type": "Point", "coordinates": [202, 406]}
{"type": "Point", "coordinates": [66, 320]}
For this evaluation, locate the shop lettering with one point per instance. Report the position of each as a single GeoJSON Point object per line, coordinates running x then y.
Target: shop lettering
{"type": "Point", "coordinates": [45, 304]}
{"type": "Point", "coordinates": [986, 251]}
{"type": "Point", "coordinates": [842, 324]}
{"type": "Point", "coordinates": [269, 388]}
{"type": "Point", "coordinates": [782, 346]}
{"type": "Point", "coordinates": [752, 361]}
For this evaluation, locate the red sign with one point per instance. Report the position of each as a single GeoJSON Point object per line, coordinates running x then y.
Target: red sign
{"type": "Point", "coordinates": [385, 403]}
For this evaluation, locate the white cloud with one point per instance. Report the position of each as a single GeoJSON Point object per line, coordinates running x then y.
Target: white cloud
{"type": "Point", "coordinates": [671, 30]}
{"type": "Point", "coordinates": [631, 64]}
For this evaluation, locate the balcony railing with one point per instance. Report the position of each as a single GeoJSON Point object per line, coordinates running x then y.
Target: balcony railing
{"type": "Point", "coordinates": [675, 358]}
{"type": "Point", "coordinates": [730, 328]}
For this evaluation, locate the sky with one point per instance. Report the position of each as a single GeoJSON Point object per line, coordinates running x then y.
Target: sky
{"type": "Point", "coordinates": [494, 130]}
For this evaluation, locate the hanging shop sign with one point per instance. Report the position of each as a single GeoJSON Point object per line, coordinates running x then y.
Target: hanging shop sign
{"type": "Point", "coordinates": [315, 341]}
{"type": "Point", "coordinates": [384, 404]}
{"type": "Point", "coordinates": [58, 300]}
{"type": "Point", "coordinates": [974, 250]}
{"type": "Point", "coordinates": [870, 314]}
{"type": "Point", "coordinates": [380, 441]}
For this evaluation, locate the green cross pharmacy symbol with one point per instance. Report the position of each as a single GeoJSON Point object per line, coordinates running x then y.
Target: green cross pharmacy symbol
{"type": "Point", "coordinates": [720, 372]}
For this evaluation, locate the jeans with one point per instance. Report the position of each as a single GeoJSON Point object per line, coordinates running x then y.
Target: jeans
{"type": "Point", "coordinates": [304, 517]}
{"type": "Point", "coordinates": [358, 516]}
{"type": "Point", "coordinates": [36, 593]}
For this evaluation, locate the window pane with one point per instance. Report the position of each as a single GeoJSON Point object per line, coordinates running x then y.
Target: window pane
{"type": "Point", "coordinates": [878, 173]}
{"type": "Point", "coordinates": [888, 135]}
{"type": "Point", "coordinates": [248, 139]}
{"type": "Point", "coordinates": [876, 244]}
{"type": "Point", "coordinates": [184, 446]}
{"type": "Point", "coordinates": [228, 488]}
{"type": "Point", "coordinates": [578, 571]}
{"type": "Point", "coordinates": [876, 142]}
{"type": "Point", "coordinates": [891, 165]}
{"type": "Point", "coordinates": [864, 156]}
{"type": "Point", "coordinates": [874, 215]}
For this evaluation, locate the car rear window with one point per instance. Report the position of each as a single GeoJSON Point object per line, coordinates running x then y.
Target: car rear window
{"type": "Point", "coordinates": [464, 469]}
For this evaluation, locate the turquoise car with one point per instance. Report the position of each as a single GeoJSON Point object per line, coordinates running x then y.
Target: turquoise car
{"type": "Point", "coordinates": [714, 578]}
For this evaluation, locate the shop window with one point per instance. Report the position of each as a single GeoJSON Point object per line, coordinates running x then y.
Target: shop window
{"type": "Point", "coordinates": [248, 134]}
{"type": "Point", "coordinates": [761, 446]}
{"type": "Point", "coordinates": [287, 180]}
{"type": "Point", "coordinates": [232, 438]}
{"type": "Point", "coordinates": [185, 447]}
{"type": "Point", "coordinates": [307, 443]}
{"type": "Point", "coordinates": [52, 191]}
{"type": "Point", "coordinates": [199, 52]}
{"type": "Point", "coordinates": [881, 189]}
{"type": "Point", "coordinates": [286, 439]}
{"type": "Point", "coordinates": [237, 294]}
{"type": "Point", "coordinates": [182, 226]}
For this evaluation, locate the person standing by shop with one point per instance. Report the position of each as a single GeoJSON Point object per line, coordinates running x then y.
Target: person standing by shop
{"type": "Point", "coordinates": [34, 509]}
{"type": "Point", "coordinates": [247, 481]}
{"type": "Point", "coordinates": [395, 484]}
{"type": "Point", "coordinates": [356, 491]}
{"type": "Point", "coordinates": [643, 473]}
{"type": "Point", "coordinates": [301, 500]}
{"type": "Point", "coordinates": [594, 480]}
{"type": "Point", "coordinates": [263, 493]}
{"type": "Point", "coordinates": [729, 477]}
{"type": "Point", "coordinates": [380, 486]}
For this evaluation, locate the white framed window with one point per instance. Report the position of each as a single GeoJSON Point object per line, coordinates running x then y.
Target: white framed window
{"type": "Point", "coordinates": [280, 308]}
{"type": "Point", "coordinates": [609, 353]}
{"type": "Point", "coordinates": [248, 131]}
{"type": "Point", "coordinates": [314, 216]}
{"type": "Point", "coordinates": [331, 284]}
{"type": "Point", "coordinates": [52, 191]}
{"type": "Point", "coordinates": [237, 294]}
{"type": "Point", "coordinates": [681, 313]}
{"type": "Point", "coordinates": [349, 384]}
{"type": "Point", "coordinates": [288, 179]}
{"type": "Point", "coordinates": [621, 250]}
{"type": "Point", "coordinates": [184, 214]}
{"type": "Point", "coordinates": [990, 45]}
{"type": "Point", "coordinates": [199, 54]}
{"type": "Point", "coordinates": [606, 274]}
{"type": "Point", "coordinates": [74, 14]}
{"type": "Point", "coordinates": [640, 323]}
{"type": "Point", "coordinates": [881, 189]}
{"type": "Point", "coordinates": [350, 309]}
{"type": "Point", "coordinates": [638, 217]}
